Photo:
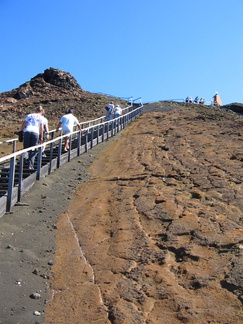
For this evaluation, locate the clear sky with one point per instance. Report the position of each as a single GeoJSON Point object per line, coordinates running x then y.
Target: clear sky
{"type": "Point", "coordinates": [154, 49]}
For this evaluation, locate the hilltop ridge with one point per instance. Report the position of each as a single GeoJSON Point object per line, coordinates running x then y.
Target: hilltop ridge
{"type": "Point", "coordinates": [57, 91]}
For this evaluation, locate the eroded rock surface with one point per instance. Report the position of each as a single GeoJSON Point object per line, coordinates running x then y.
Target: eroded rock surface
{"type": "Point", "coordinates": [156, 235]}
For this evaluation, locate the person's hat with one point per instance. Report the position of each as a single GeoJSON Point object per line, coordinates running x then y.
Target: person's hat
{"type": "Point", "coordinates": [70, 111]}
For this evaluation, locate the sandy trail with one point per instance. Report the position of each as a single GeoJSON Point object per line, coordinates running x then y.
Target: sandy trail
{"type": "Point", "coordinates": [152, 237]}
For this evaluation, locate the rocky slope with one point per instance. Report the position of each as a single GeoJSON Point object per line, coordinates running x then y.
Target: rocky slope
{"type": "Point", "coordinates": [156, 235]}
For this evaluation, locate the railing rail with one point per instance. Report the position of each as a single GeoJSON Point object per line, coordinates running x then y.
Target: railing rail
{"type": "Point", "coordinates": [13, 141]}
{"type": "Point", "coordinates": [92, 133]}
{"type": "Point", "coordinates": [83, 125]}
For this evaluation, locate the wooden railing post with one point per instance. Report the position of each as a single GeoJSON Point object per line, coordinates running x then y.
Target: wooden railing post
{"type": "Point", "coordinates": [79, 143]}
{"type": "Point", "coordinates": [86, 140]}
{"type": "Point", "coordinates": [14, 147]}
{"type": "Point", "coordinates": [21, 163]}
{"type": "Point", "coordinates": [97, 132]}
{"type": "Point", "coordinates": [11, 183]}
{"type": "Point", "coordinates": [103, 132]}
{"type": "Point", "coordinates": [91, 137]}
{"type": "Point", "coordinates": [59, 153]}
{"type": "Point", "coordinates": [70, 148]}
{"type": "Point", "coordinates": [50, 160]}
{"type": "Point", "coordinates": [39, 160]}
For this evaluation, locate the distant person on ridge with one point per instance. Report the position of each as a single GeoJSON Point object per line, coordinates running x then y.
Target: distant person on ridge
{"type": "Point", "coordinates": [32, 127]}
{"type": "Point", "coordinates": [216, 100]}
{"type": "Point", "coordinates": [67, 122]}
{"type": "Point", "coordinates": [109, 110]}
{"type": "Point", "coordinates": [196, 100]}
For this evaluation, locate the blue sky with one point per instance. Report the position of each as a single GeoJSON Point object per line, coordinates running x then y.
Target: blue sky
{"type": "Point", "coordinates": [157, 49]}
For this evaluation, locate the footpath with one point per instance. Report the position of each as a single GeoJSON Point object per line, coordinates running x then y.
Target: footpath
{"type": "Point", "coordinates": [145, 228]}
{"type": "Point", "coordinates": [28, 241]}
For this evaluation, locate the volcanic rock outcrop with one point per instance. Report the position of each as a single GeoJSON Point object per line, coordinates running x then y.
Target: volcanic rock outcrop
{"type": "Point", "coordinates": [57, 91]}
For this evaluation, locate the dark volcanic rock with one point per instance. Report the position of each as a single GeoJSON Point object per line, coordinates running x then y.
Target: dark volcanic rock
{"type": "Point", "coordinates": [236, 107]}
{"type": "Point", "coordinates": [58, 78]}
{"type": "Point", "coordinates": [45, 82]}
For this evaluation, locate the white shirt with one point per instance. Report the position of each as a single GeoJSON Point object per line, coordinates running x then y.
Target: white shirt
{"type": "Point", "coordinates": [68, 121]}
{"type": "Point", "coordinates": [118, 110]}
{"type": "Point", "coordinates": [33, 123]}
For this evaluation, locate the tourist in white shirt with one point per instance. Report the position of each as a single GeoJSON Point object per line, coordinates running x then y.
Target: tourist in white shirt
{"type": "Point", "coordinates": [67, 122]}
{"type": "Point", "coordinates": [110, 111]}
{"type": "Point", "coordinates": [117, 111]}
{"type": "Point", "coordinates": [33, 133]}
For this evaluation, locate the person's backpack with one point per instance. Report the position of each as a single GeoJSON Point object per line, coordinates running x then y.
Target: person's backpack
{"type": "Point", "coordinates": [107, 108]}
{"type": "Point", "coordinates": [20, 135]}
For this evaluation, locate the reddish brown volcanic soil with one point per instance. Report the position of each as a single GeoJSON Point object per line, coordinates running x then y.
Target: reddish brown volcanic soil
{"type": "Point", "coordinates": [150, 233]}
{"type": "Point", "coordinates": [156, 235]}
